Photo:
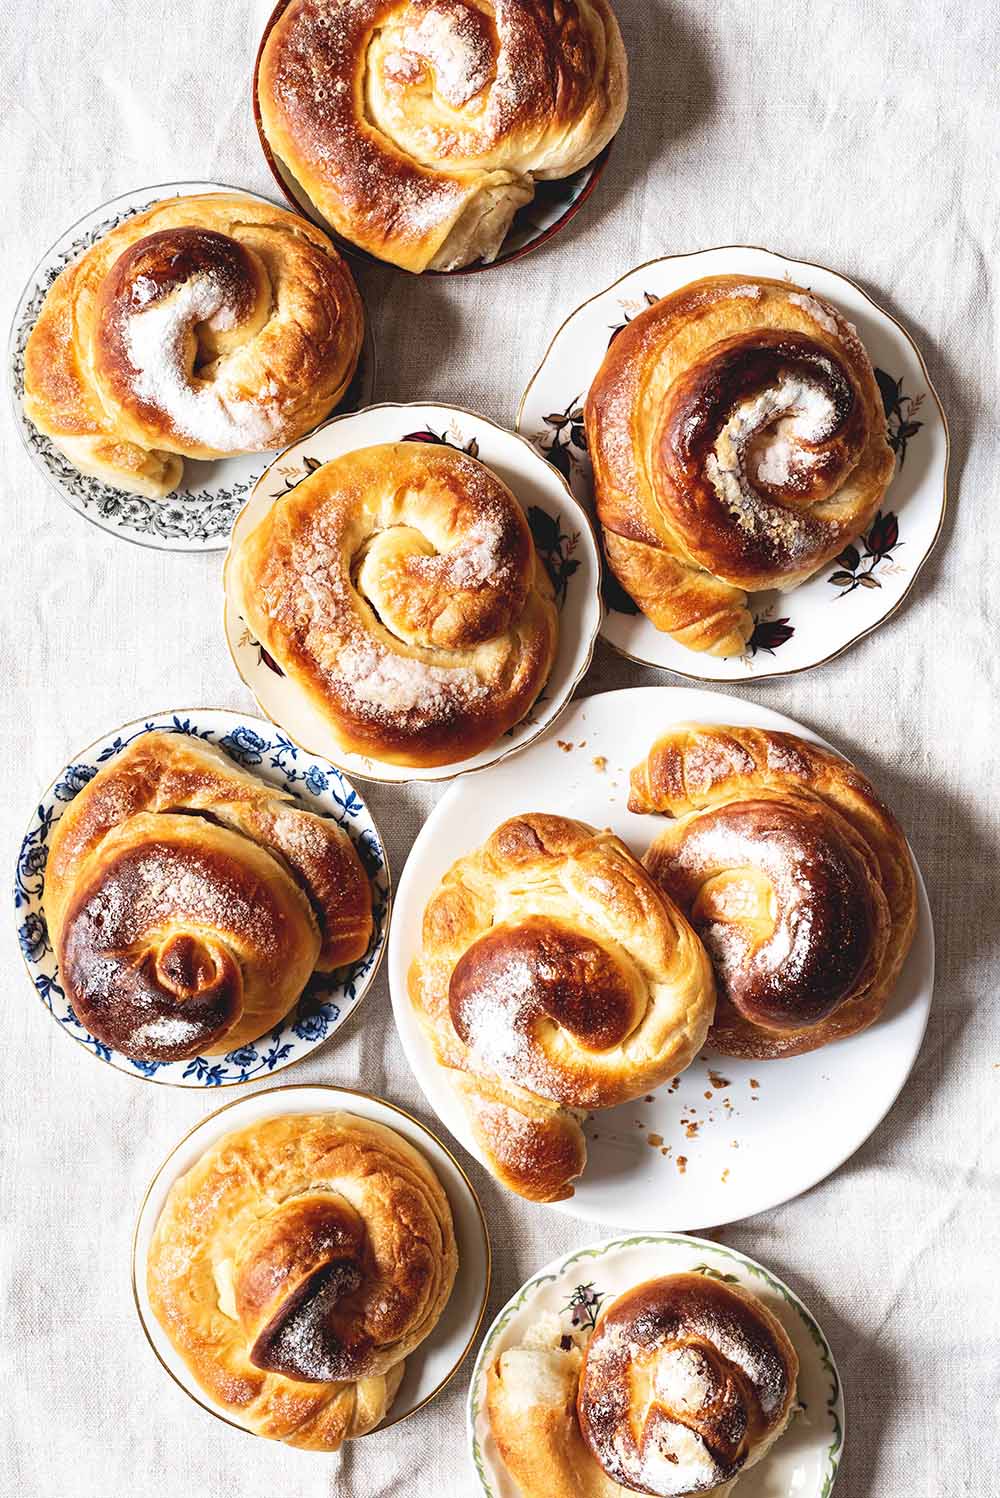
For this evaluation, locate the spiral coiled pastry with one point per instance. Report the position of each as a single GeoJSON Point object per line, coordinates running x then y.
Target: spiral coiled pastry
{"type": "Point", "coordinates": [554, 978]}
{"type": "Point", "coordinates": [418, 127]}
{"type": "Point", "coordinates": [685, 1382]}
{"type": "Point", "coordinates": [795, 875]}
{"type": "Point", "coordinates": [201, 327]}
{"type": "Point", "coordinates": [739, 442]}
{"type": "Point", "coordinates": [296, 1266]}
{"type": "Point", "coordinates": [400, 588]}
{"type": "Point", "coordinates": [189, 903]}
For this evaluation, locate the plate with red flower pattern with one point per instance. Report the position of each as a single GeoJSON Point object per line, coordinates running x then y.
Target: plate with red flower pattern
{"type": "Point", "coordinates": [850, 596]}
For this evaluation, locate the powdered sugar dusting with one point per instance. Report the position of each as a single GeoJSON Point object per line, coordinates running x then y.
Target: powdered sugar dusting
{"type": "Point", "coordinates": [158, 341]}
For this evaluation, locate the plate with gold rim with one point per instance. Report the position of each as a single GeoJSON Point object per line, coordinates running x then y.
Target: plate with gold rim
{"type": "Point", "coordinates": [329, 999]}
{"type": "Point", "coordinates": [850, 596]}
{"type": "Point", "coordinates": [564, 539]}
{"type": "Point", "coordinates": [803, 1463]}
{"type": "Point", "coordinates": [436, 1361]}
{"type": "Point", "coordinates": [197, 516]}
{"type": "Point", "coordinates": [728, 1137]}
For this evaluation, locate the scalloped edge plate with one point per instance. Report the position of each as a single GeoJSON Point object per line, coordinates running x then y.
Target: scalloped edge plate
{"type": "Point", "coordinates": [802, 1464]}
{"type": "Point", "coordinates": [329, 999]}
{"type": "Point", "coordinates": [199, 515]}
{"type": "Point", "coordinates": [847, 598]}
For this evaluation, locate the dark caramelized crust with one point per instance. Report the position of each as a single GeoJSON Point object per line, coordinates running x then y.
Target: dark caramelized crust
{"type": "Point", "coordinates": [418, 126]}
{"type": "Point", "coordinates": [738, 442]}
{"type": "Point", "coordinates": [400, 588]}
{"type": "Point", "coordinates": [189, 902]}
{"type": "Point", "coordinates": [297, 1265]}
{"type": "Point", "coordinates": [203, 326]}
{"type": "Point", "coordinates": [554, 977]}
{"type": "Point", "coordinates": [794, 873]}
{"type": "Point", "coordinates": [684, 1382]}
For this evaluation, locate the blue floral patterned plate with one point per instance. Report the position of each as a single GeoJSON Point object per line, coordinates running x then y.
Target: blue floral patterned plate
{"type": "Point", "coordinates": [802, 1463]}
{"type": "Point", "coordinates": [199, 515]}
{"type": "Point", "coordinates": [329, 999]}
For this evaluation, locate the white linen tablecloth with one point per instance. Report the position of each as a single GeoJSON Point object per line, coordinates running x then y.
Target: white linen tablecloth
{"type": "Point", "coordinates": [861, 134]}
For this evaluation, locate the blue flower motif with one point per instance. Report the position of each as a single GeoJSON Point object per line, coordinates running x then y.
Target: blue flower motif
{"type": "Point", "coordinates": [243, 745]}
{"type": "Point", "coordinates": [315, 780]}
{"type": "Point", "coordinates": [33, 860]}
{"type": "Point", "coordinates": [73, 782]}
{"type": "Point", "coordinates": [33, 936]}
{"type": "Point", "coordinates": [315, 1026]}
{"type": "Point", "coordinates": [246, 1055]}
{"type": "Point", "coordinates": [146, 1068]}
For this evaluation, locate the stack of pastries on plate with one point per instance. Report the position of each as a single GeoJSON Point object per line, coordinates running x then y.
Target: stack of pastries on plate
{"type": "Point", "coordinates": [296, 1266]}
{"type": "Point", "coordinates": [189, 902]}
{"type": "Point", "coordinates": [683, 1384]}
{"type": "Point", "coordinates": [203, 327]}
{"type": "Point", "coordinates": [399, 588]}
{"type": "Point", "coordinates": [738, 441]}
{"type": "Point", "coordinates": [418, 128]}
{"type": "Point", "coordinates": [558, 975]}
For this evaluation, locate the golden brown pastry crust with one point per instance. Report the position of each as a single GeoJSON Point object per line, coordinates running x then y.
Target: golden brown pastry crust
{"type": "Point", "coordinates": [189, 902]}
{"type": "Point", "coordinates": [795, 874]}
{"type": "Point", "coordinates": [400, 588]}
{"type": "Point", "coordinates": [684, 1384]}
{"type": "Point", "coordinates": [203, 326]}
{"type": "Point", "coordinates": [296, 1266]}
{"type": "Point", "coordinates": [418, 127]}
{"type": "Point", "coordinates": [554, 978]}
{"type": "Point", "coordinates": [738, 441]}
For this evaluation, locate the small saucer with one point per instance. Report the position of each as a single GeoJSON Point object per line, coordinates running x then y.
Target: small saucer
{"type": "Point", "coordinates": [329, 999]}
{"type": "Point", "coordinates": [436, 1361]}
{"type": "Point", "coordinates": [563, 535]}
{"type": "Point", "coordinates": [199, 515]}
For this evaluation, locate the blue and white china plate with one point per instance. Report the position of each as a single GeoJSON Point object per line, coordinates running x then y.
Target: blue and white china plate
{"type": "Point", "coordinates": [330, 998]}
{"type": "Point", "coordinates": [563, 536]}
{"type": "Point", "coordinates": [850, 596]}
{"type": "Point", "coordinates": [199, 515]}
{"type": "Point", "coordinates": [803, 1463]}
{"type": "Point", "coordinates": [436, 1361]}
{"type": "Point", "coordinates": [728, 1138]}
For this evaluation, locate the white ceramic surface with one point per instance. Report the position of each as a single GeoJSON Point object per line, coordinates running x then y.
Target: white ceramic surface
{"type": "Point", "coordinates": [679, 1158]}
{"type": "Point", "coordinates": [197, 516]}
{"type": "Point", "coordinates": [802, 1464]}
{"type": "Point", "coordinates": [437, 1359]}
{"type": "Point", "coordinates": [563, 535]}
{"type": "Point", "coordinates": [847, 598]}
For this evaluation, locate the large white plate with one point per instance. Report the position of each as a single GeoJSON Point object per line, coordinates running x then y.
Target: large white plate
{"type": "Point", "coordinates": [853, 594]}
{"type": "Point", "coordinates": [563, 535]}
{"type": "Point", "coordinates": [803, 1464]}
{"type": "Point", "coordinates": [197, 516]}
{"type": "Point", "coordinates": [329, 999]}
{"type": "Point", "coordinates": [680, 1158]}
{"type": "Point", "coordinates": [437, 1359]}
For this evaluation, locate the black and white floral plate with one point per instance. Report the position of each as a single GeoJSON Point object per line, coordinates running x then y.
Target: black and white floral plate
{"type": "Point", "coordinates": [863, 586]}
{"type": "Point", "coordinates": [802, 1464]}
{"type": "Point", "coordinates": [329, 999]}
{"type": "Point", "coordinates": [199, 515]}
{"type": "Point", "coordinates": [563, 536]}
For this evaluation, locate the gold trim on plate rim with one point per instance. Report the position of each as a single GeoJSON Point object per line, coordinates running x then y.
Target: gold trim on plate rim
{"type": "Point", "coordinates": [376, 969]}
{"type": "Point", "coordinates": [367, 359]}
{"type": "Point", "coordinates": [369, 1097]}
{"type": "Point", "coordinates": [448, 774]}
{"type": "Point", "coordinates": [863, 634]}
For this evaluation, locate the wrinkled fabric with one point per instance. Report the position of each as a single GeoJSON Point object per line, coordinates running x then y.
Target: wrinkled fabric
{"type": "Point", "coordinates": [860, 134]}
